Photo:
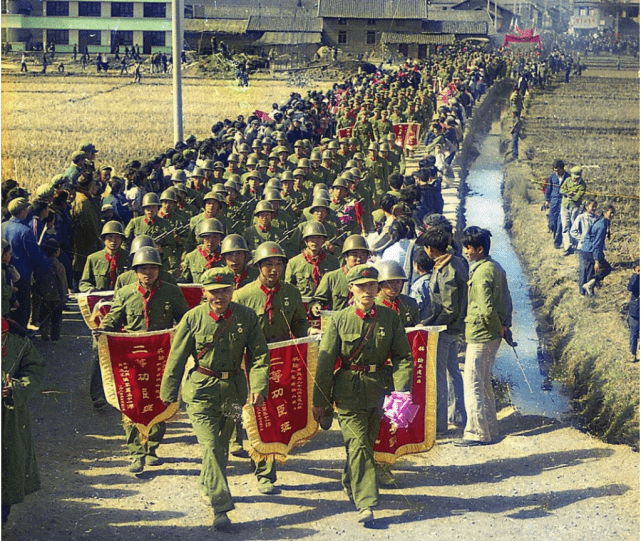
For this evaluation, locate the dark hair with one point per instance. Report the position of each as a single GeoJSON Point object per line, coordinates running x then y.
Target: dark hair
{"type": "Point", "coordinates": [395, 180]}
{"type": "Point", "coordinates": [476, 236]}
{"type": "Point", "coordinates": [558, 163]}
{"type": "Point", "coordinates": [37, 207]}
{"type": "Point", "coordinates": [60, 198]}
{"type": "Point", "coordinates": [435, 237]}
{"type": "Point", "coordinates": [387, 202]}
{"type": "Point", "coordinates": [50, 247]}
{"type": "Point", "coordinates": [411, 194]}
{"type": "Point", "coordinates": [421, 259]}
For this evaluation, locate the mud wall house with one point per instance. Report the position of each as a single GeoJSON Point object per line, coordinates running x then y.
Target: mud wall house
{"type": "Point", "coordinates": [357, 27]}
{"type": "Point", "coordinates": [589, 18]}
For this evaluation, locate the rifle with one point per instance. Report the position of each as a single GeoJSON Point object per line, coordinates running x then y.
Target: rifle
{"type": "Point", "coordinates": [179, 230]}
{"type": "Point", "coordinates": [235, 212]}
{"type": "Point", "coordinates": [336, 239]}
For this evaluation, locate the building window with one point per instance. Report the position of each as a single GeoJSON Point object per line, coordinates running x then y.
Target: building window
{"type": "Point", "coordinates": [371, 38]}
{"type": "Point", "coordinates": [89, 37]}
{"type": "Point", "coordinates": [58, 9]}
{"type": "Point", "coordinates": [157, 11]}
{"type": "Point", "coordinates": [154, 39]}
{"type": "Point", "coordinates": [59, 37]}
{"type": "Point", "coordinates": [371, 22]}
{"type": "Point", "coordinates": [122, 38]}
{"type": "Point", "coordinates": [342, 21]}
{"type": "Point", "coordinates": [88, 9]}
{"type": "Point", "coordinates": [122, 9]}
{"type": "Point", "coordinates": [342, 37]}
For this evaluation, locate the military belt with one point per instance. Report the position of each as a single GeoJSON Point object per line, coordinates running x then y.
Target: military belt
{"type": "Point", "coordinates": [216, 374]}
{"type": "Point", "coordinates": [361, 367]}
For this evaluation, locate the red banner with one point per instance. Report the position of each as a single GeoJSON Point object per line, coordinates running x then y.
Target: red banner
{"type": "Point", "coordinates": [263, 116]}
{"type": "Point", "coordinates": [420, 435]}
{"type": "Point", "coordinates": [94, 306]}
{"type": "Point", "coordinates": [411, 139]}
{"type": "Point", "coordinates": [345, 132]}
{"type": "Point", "coordinates": [193, 294]}
{"type": "Point", "coordinates": [521, 39]}
{"type": "Point", "coordinates": [286, 420]}
{"type": "Point", "coordinates": [406, 134]}
{"type": "Point", "coordinates": [400, 130]}
{"type": "Point", "coordinates": [132, 366]}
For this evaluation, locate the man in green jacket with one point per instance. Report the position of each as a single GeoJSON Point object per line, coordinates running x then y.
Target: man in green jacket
{"type": "Point", "coordinates": [363, 336]}
{"type": "Point", "coordinates": [488, 320]}
{"type": "Point", "coordinates": [218, 334]}
{"type": "Point", "coordinates": [572, 191]}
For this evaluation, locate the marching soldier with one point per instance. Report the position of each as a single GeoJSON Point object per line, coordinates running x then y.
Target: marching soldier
{"type": "Point", "coordinates": [391, 278]}
{"type": "Point", "coordinates": [237, 255]}
{"type": "Point", "coordinates": [129, 277]}
{"type": "Point", "coordinates": [103, 268]}
{"type": "Point", "coordinates": [212, 208]}
{"type": "Point", "coordinates": [263, 231]}
{"type": "Point", "coordinates": [148, 305]}
{"type": "Point", "coordinates": [363, 337]}
{"type": "Point", "coordinates": [175, 216]}
{"type": "Point", "coordinates": [207, 255]}
{"type": "Point", "coordinates": [218, 334]}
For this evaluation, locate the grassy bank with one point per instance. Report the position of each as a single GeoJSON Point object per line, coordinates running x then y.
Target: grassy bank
{"type": "Point", "coordinates": [587, 337]}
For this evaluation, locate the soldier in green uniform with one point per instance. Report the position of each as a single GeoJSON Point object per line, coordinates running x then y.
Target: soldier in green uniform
{"type": "Point", "coordinates": [363, 336]}
{"type": "Point", "coordinates": [391, 278]}
{"type": "Point", "coordinates": [207, 255]}
{"type": "Point", "coordinates": [23, 371]}
{"type": "Point", "coordinates": [281, 314]}
{"type": "Point", "coordinates": [212, 208]}
{"type": "Point", "coordinates": [175, 216]}
{"type": "Point", "coordinates": [333, 291]}
{"type": "Point", "coordinates": [237, 255]}
{"type": "Point", "coordinates": [281, 219]}
{"type": "Point", "coordinates": [263, 231]}
{"type": "Point", "coordinates": [129, 277]}
{"type": "Point", "coordinates": [306, 269]}
{"type": "Point", "coordinates": [153, 225]}
{"type": "Point", "coordinates": [379, 172]}
{"type": "Point", "coordinates": [148, 305]}
{"type": "Point", "coordinates": [103, 268]}
{"type": "Point", "coordinates": [219, 334]}
{"type": "Point", "coordinates": [363, 131]}
{"type": "Point", "coordinates": [181, 194]}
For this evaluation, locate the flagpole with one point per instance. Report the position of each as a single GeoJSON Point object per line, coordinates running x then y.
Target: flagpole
{"type": "Point", "coordinates": [177, 46]}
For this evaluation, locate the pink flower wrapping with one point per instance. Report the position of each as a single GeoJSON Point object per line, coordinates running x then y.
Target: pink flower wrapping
{"type": "Point", "coordinates": [399, 409]}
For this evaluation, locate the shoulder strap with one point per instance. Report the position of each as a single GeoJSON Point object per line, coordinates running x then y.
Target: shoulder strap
{"type": "Point", "coordinates": [209, 345]}
{"type": "Point", "coordinates": [363, 342]}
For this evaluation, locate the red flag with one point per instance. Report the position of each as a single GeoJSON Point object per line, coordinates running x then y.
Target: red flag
{"type": "Point", "coordinates": [132, 366]}
{"type": "Point", "coordinates": [94, 306]}
{"type": "Point", "coordinates": [262, 115]}
{"type": "Point", "coordinates": [411, 138]}
{"type": "Point", "coordinates": [193, 294]}
{"type": "Point", "coordinates": [345, 132]}
{"type": "Point", "coordinates": [400, 130]}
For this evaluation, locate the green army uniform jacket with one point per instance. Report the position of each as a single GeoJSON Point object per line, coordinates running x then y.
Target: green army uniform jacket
{"type": "Point", "coordinates": [235, 333]}
{"type": "Point", "coordinates": [361, 391]}
{"type": "Point", "coordinates": [296, 240]}
{"type": "Point", "coordinates": [400, 154]}
{"type": "Point", "coordinates": [379, 171]}
{"type": "Point", "coordinates": [398, 119]}
{"type": "Point", "coordinates": [129, 277]}
{"type": "Point", "coordinates": [384, 127]}
{"type": "Point", "coordinates": [127, 311]}
{"type": "Point", "coordinates": [322, 176]}
{"type": "Point", "coordinates": [22, 362]}
{"type": "Point", "coordinates": [188, 210]}
{"type": "Point", "coordinates": [332, 292]}
{"type": "Point", "coordinates": [331, 172]}
{"type": "Point", "coordinates": [86, 226]}
{"type": "Point", "coordinates": [195, 264]}
{"type": "Point", "coordinates": [489, 304]}
{"type": "Point", "coordinates": [282, 220]}
{"type": "Point", "coordinates": [299, 272]}
{"type": "Point", "coordinates": [275, 172]}
{"type": "Point", "coordinates": [194, 197]}
{"type": "Point", "coordinates": [177, 218]}
{"type": "Point", "coordinates": [246, 276]}
{"type": "Point", "coordinates": [288, 316]}
{"type": "Point", "coordinates": [254, 236]}
{"type": "Point", "coordinates": [572, 191]}
{"type": "Point", "coordinates": [406, 307]}
{"type": "Point", "coordinates": [96, 272]}
{"type": "Point", "coordinates": [142, 226]}
{"type": "Point", "coordinates": [362, 194]}
{"type": "Point", "coordinates": [364, 132]}
{"type": "Point", "coordinates": [193, 239]}
{"type": "Point", "coordinates": [448, 295]}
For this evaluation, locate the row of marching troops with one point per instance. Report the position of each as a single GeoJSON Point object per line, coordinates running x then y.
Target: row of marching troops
{"type": "Point", "coordinates": [264, 222]}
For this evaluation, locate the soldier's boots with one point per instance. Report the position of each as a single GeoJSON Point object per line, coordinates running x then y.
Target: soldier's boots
{"type": "Point", "coordinates": [221, 522]}
{"type": "Point", "coordinates": [265, 486]}
{"type": "Point", "coordinates": [137, 465]}
{"type": "Point", "coordinates": [151, 459]}
{"type": "Point", "coordinates": [365, 516]}
{"type": "Point", "coordinates": [384, 475]}
{"type": "Point", "coordinates": [238, 450]}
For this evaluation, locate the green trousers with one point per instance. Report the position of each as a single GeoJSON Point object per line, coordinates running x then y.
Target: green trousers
{"type": "Point", "coordinates": [360, 429]}
{"type": "Point", "coordinates": [265, 471]}
{"type": "Point", "coordinates": [213, 430]}
{"type": "Point", "coordinates": [134, 444]}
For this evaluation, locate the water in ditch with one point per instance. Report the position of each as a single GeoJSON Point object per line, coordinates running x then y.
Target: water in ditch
{"type": "Point", "coordinates": [533, 392]}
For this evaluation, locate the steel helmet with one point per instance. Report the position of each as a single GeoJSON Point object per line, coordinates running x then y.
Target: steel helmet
{"type": "Point", "coordinates": [112, 228]}
{"type": "Point", "coordinates": [384, 147]}
{"type": "Point", "coordinates": [316, 156]}
{"type": "Point", "coordinates": [314, 228]}
{"type": "Point", "coordinates": [351, 163]}
{"type": "Point", "coordinates": [198, 172]}
{"type": "Point", "coordinates": [298, 173]}
{"type": "Point", "coordinates": [139, 242]}
{"type": "Point", "coordinates": [327, 155]}
{"type": "Point", "coordinates": [318, 187]}
{"type": "Point", "coordinates": [286, 175]}
{"type": "Point", "coordinates": [355, 242]}
{"type": "Point", "coordinates": [356, 172]}
{"type": "Point", "coordinates": [272, 195]}
{"type": "Point", "coordinates": [373, 146]}
{"type": "Point", "coordinates": [211, 195]}
{"type": "Point", "coordinates": [244, 147]}
{"type": "Point", "coordinates": [231, 185]}
{"type": "Point", "coordinates": [340, 183]}
{"type": "Point", "coordinates": [257, 143]}
{"type": "Point", "coordinates": [233, 158]}
{"type": "Point", "coordinates": [179, 176]}
{"type": "Point", "coordinates": [146, 256]}
{"type": "Point", "coordinates": [268, 249]}
{"type": "Point", "coordinates": [390, 270]}
{"type": "Point", "coordinates": [150, 200]}
{"type": "Point", "coordinates": [169, 195]}
{"type": "Point", "coordinates": [263, 206]}
{"type": "Point", "coordinates": [219, 188]}
{"type": "Point", "coordinates": [304, 162]}
{"type": "Point", "coordinates": [333, 145]}
{"type": "Point", "coordinates": [209, 165]}
{"type": "Point", "coordinates": [211, 226]}
{"type": "Point", "coordinates": [273, 184]}
{"type": "Point", "coordinates": [319, 202]}
{"type": "Point", "coordinates": [233, 243]}
{"type": "Point", "coordinates": [235, 178]}
{"type": "Point", "coordinates": [252, 160]}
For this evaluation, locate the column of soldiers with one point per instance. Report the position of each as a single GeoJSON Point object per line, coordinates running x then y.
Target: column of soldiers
{"type": "Point", "coordinates": [270, 218]}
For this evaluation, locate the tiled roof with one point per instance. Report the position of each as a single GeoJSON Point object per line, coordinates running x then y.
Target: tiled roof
{"type": "Point", "coordinates": [220, 26]}
{"type": "Point", "coordinates": [373, 9]}
{"type": "Point", "coordinates": [421, 39]}
{"type": "Point", "coordinates": [289, 38]}
{"type": "Point", "coordinates": [285, 24]}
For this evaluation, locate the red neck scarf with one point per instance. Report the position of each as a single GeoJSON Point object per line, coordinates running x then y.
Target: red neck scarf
{"type": "Point", "coordinates": [263, 229]}
{"type": "Point", "coordinates": [363, 315]}
{"type": "Point", "coordinates": [238, 278]}
{"type": "Point", "coordinates": [217, 317]}
{"type": "Point", "coordinates": [163, 215]}
{"type": "Point", "coordinates": [150, 222]}
{"type": "Point", "coordinates": [113, 268]}
{"type": "Point", "coordinates": [146, 299]}
{"type": "Point", "coordinates": [269, 301]}
{"type": "Point", "coordinates": [210, 258]}
{"type": "Point", "coordinates": [394, 305]}
{"type": "Point", "coordinates": [316, 261]}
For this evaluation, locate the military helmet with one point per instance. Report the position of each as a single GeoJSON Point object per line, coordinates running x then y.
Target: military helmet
{"type": "Point", "coordinates": [373, 146]}
{"type": "Point", "coordinates": [355, 242]}
{"type": "Point", "coordinates": [252, 160]}
{"type": "Point", "coordinates": [268, 249]}
{"type": "Point", "coordinates": [139, 242]}
{"type": "Point", "coordinates": [298, 173]}
{"type": "Point", "coordinates": [244, 147]}
{"type": "Point", "coordinates": [347, 175]}
{"type": "Point", "coordinates": [390, 270]}
{"type": "Point", "coordinates": [273, 184]}
{"type": "Point", "coordinates": [150, 200]}
{"type": "Point", "coordinates": [281, 148]}
{"type": "Point", "coordinates": [179, 176]}
{"type": "Point", "coordinates": [257, 143]}
{"type": "Point", "coordinates": [356, 172]}
{"type": "Point", "coordinates": [112, 228]}
{"type": "Point", "coordinates": [180, 189]}
{"type": "Point", "coordinates": [169, 195]}
{"type": "Point", "coordinates": [316, 156]}
{"type": "Point", "coordinates": [286, 175]}
{"type": "Point", "coordinates": [198, 172]}
{"type": "Point", "coordinates": [211, 195]}
{"type": "Point", "coordinates": [359, 156]}
{"type": "Point", "coordinates": [299, 143]}
{"type": "Point", "coordinates": [210, 165]}
{"type": "Point", "coordinates": [384, 147]}
{"type": "Point", "coordinates": [219, 165]}
{"type": "Point", "coordinates": [272, 195]}
{"type": "Point", "coordinates": [318, 187]}
{"type": "Point", "coordinates": [147, 255]}
{"type": "Point", "coordinates": [333, 145]}
{"type": "Point", "coordinates": [319, 202]}
{"type": "Point", "coordinates": [314, 228]}
{"type": "Point", "coordinates": [327, 155]}
{"type": "Point", "coordinates": [391, 137]}
{"type": "Point", "coordinates": [219, 188]}
{"type": "Point", "coordinates": [233, 243]}
{"type": "Point", "coordinates": [340, 183]}
{"type": "Point", "coordinates": [236, 179]}
{"type": "Point", "coordinates": [351, 163]}
{"type": "Point", "coordinates": [273, 155]}
{"type": "Point", "coordinates": [233, 158]}
{"type": "Point", "coordinates": [231, 185]}
{"type": "Point", "coordinates": [210, 227]}
{"type": "Point", "coordinates": [45, 191]}
{"type": "Point", "coordinates": [263, 206]}
{"type": "Point", "coordinates": [304, 162]}
{"type": "Point", "coordinates": [262, 163]}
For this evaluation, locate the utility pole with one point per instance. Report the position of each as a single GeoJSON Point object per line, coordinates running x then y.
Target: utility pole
{"type": "Point", "coordinates": [177, 47]}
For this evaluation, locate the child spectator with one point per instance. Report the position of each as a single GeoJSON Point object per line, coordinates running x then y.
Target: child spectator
{"type": "Point", "coordinates": [52, 288]}
{"type": "Point", "coordinates": [633, 313]}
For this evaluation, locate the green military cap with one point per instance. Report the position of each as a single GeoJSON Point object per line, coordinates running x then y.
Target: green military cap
{"type": "Point", "coordinates": [45, 191]}
{"type": "Point", "coordinates": [273, 184]}
{"type": "Point", "coordinates": [319, 202]}
{"type": "Point", "coordinates": [273, 155]}
{"type": "Point", "coordinates": [316, 155]}
{"type": "Point", "coordinates": [280, 148]}
{"type": "Point", "coordinates": [217, 278]}
{"type": "Point", "coordinates": [17, 204]}
{"type": "Point", "coordinates": [77, 155]}
{"type": "Point", "coordinates": [219, 165]}
{"type": "Point", "coordinates": [361, 274]}
{"type": "Point", "coordinates": [576, 171]}
{"type": "Point", "coordinates": [235, 178]}
{"type": "Point", "coordinates": [262, 163]}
